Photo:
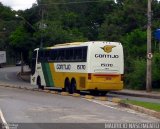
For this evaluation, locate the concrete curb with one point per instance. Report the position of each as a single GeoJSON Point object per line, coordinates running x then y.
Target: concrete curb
{"type": "Point", "coordinates": [141, 109]}
{"type": "Point", "coordinates": [65, 94]}
{"type": "Point", "coordinates": [102, 98]}
{"type": "Point", "coordinates": [54, 92]}
{"type": "Point", "coordinates": [136, 94]}
{"type": "Point", "coordinates": [76, 95]}
{"type": "Point", "coordinates": [89, 97]}
{"type": "Point", "coordinates": [116, 100]}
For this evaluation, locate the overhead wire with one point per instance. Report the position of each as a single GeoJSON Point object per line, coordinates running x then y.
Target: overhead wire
{"type": "Point", "coordinates": [76, 2]}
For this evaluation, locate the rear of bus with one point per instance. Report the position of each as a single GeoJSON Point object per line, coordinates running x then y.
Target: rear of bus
{"type": "Point", "coordinates": [105, 66]}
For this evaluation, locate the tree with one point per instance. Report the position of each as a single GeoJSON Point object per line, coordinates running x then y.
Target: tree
{"type": "Point", "coordinates": [21, 43]}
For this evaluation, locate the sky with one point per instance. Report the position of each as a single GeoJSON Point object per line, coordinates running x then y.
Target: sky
{"type": "Point", "coordinates": [18, 4]}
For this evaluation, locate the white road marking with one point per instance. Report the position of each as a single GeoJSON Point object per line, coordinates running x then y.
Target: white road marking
{"type": "Point", "coordinates": [4, 123]}
{"type": "Point", "coordinates": [101, 104]}
{"type": "Point", "coordinates": [116, 108]}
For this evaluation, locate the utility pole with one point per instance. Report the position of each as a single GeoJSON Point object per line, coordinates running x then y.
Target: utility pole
{"type": "Point", "coordinates": [149, 51]}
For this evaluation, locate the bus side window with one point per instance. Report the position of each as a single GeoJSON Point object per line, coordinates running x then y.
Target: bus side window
{"type": "Point", "coordinates": [46, 56]}
{"type": "Point", "coordinates": [77, 54]}
{"type": "Point", "coordinates": [40, 56]}
{"type": "Point", "coordinates": [67, 54]}
{"type": "Point", "coordinates": [53, 55]}
{"type": "Point", "coordinates": [33, 63]}
{"type": "Point", "coordinates": [57, 55]}
{"type": "Point", "coordinates": [62, 55]}
{"type": "Point", "coordinates": [71, 54]}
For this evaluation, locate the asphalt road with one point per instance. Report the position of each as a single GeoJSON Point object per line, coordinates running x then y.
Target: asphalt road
{"type": "Point", "coordinates": [21, 106]}
{"type": "Point", "coordinates": [8, 75]}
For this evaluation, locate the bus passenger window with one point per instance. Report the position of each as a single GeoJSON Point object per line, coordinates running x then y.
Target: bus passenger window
{"type": "Point", "coordinates": [77, 54]}
{"type": "Point", "coordinates": [53, 55]}
{"type": "Point", "coordinates": [71, 54]}
{"type": "Point", "coordinates": [67, 54]}
{"type": "Point", "coordinates": [40, 56]}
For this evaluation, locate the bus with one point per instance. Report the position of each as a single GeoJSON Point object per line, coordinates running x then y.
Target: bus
{"type": "Point", "coordinates": [95, 66]}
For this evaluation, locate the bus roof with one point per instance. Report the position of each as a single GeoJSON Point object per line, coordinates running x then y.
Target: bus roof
{"type": "Point", "coordinates": [78, 43]}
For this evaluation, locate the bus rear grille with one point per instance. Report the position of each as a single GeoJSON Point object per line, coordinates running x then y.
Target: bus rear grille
{"type": "Point", "coordinates": [82, 82]}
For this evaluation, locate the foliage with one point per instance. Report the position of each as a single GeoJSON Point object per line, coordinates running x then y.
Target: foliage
{"type": "Point", "coordinates": [136, 76]}
{"type": "Point", "coordinates": [156, 70]}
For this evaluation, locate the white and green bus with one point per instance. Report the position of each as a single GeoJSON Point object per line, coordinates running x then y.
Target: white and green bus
{"type": "Point", "coordinates": [95, 66]}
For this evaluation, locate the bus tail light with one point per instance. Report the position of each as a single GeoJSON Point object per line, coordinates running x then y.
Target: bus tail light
{"type": "Point", "coordinates": [122, 77]}
{"type": "Point", "coordinates": [89, 76]}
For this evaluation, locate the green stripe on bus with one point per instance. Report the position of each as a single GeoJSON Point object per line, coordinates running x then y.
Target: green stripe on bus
{"type": "Point", "coordinates": [47, 74]}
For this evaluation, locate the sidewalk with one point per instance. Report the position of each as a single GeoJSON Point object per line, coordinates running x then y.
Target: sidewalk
{"type": "Point", "coordinates": [138, 93]}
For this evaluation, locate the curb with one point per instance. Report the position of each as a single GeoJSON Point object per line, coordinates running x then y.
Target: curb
{"type": "Point", "coordinates": [135, 94]}
{"type": "Point", "coordinates": [54, 92]}
{"type": "Point", "coordinates": [76, 95]}
{"type": "Point", "coordinates": [65, 94]}
{"type": "Point", "coordinates": [89, 97]}
{"type": "Point", "coordinates": [116, 100]}
{"type": "Point", "coordinates": [102, 98]}
{"type": "Point", "coordinates": [141, 109]}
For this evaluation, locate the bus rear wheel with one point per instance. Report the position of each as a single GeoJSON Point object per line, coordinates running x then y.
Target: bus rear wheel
{"type": "Point", "coordinates": [98, 93]}
{"type": "Point", "coordinates": [67, 86]}
{"type": "Point", "coordinates": [102, 93]}
{"type": "Point", "coordinates": [74, 87]}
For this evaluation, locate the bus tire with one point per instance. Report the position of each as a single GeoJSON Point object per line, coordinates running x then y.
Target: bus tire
{"type": "Point", "coordinates": [67, 85]}
{"type": "Point", "coordinates": [39, 83]}
{"type": "Point", "coordinates": [94, 92]}
{"type": "Point", "coordinates": [102, 93]}
{"type": "Point", "coordinates": [74, 87]}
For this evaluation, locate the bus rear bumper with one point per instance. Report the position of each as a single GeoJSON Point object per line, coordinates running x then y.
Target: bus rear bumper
{"type": "Point", "coordinates": [104, 86]}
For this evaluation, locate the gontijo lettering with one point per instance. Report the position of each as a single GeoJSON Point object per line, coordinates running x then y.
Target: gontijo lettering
{"type": "Point", "coordinates": [106, 56]}
{"type": "Point", "coordinates": [63, 66]}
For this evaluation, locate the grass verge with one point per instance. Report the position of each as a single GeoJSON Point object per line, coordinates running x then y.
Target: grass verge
{"type": "Point", "coordinates": [148, 105]}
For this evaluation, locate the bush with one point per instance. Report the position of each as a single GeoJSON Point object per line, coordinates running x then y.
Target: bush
{"type": "Point", "coordinates": [156, 70]}
{"type": "Point", "coordinates": [136, 78]}
{"type": "Point", "coordinates": [136, 75]}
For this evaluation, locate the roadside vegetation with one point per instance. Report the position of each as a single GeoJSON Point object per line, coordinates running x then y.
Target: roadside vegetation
{"type": "Point", "coordinates": [59, 21]}
{"type": "Point", "coordinates": [148, 105]}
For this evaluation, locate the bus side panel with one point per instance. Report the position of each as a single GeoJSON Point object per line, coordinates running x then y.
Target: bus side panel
{"type": "Point", "coordinates": [61, 71]}
{"type": "Point", "coordinates": [59, 79]}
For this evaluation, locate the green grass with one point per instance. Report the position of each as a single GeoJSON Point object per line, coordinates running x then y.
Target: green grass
{"type": "Point", "coordinates": [148, 105]}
